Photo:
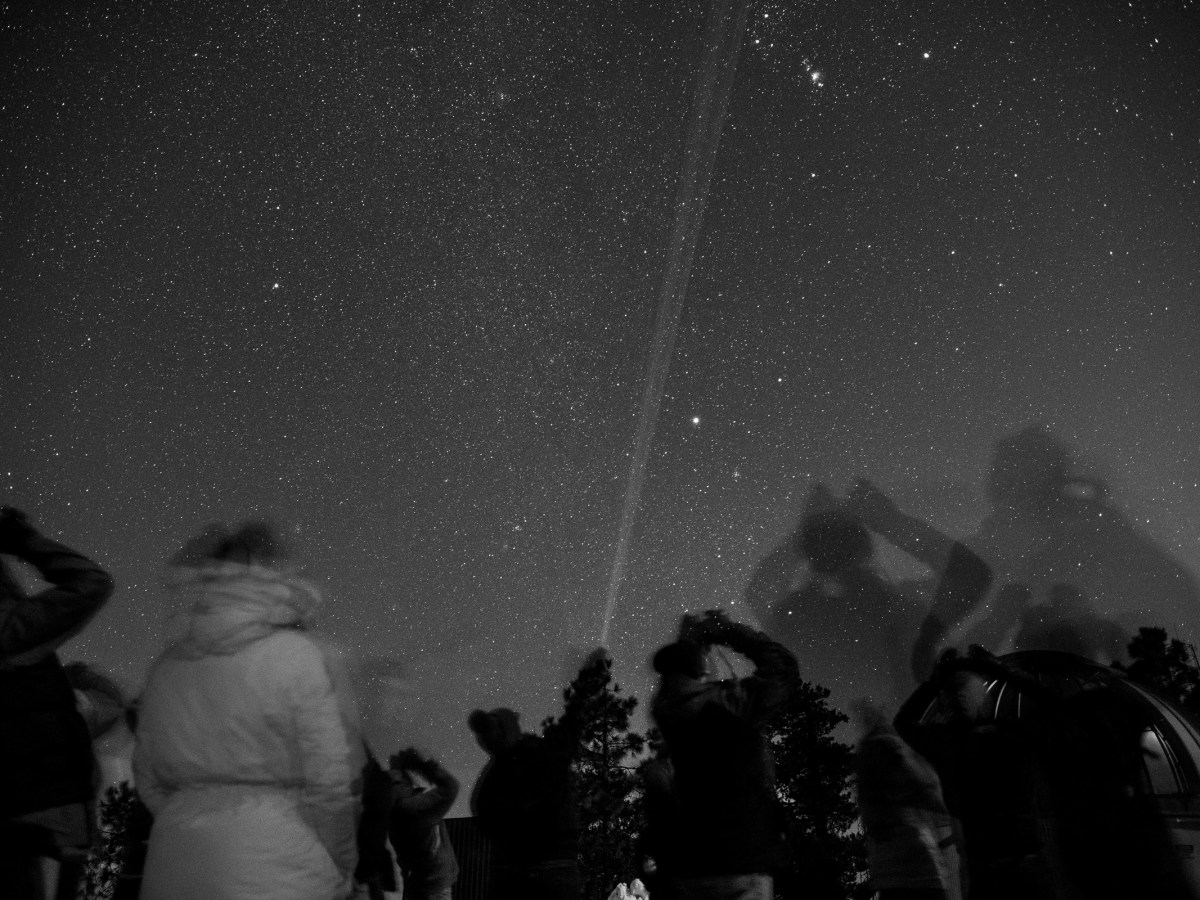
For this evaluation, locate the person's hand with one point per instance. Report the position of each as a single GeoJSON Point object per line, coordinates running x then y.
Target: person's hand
{"type": "Point", "coordinates": [15, 529]}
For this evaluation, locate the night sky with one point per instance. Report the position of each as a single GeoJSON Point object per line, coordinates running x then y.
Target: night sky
{"type": "Point", "coordinates": [387, 272]}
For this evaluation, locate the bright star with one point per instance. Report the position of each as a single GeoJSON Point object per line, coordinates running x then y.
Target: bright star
{"type": "Point", "coordinates": [695, 420]}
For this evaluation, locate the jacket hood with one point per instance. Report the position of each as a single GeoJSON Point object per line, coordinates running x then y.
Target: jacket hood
{"type": "Point", "coordinates": [228, 605]}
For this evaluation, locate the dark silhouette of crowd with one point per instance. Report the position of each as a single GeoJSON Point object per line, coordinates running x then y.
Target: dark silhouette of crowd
{"type": "Point", "coordinates": [977, 775]}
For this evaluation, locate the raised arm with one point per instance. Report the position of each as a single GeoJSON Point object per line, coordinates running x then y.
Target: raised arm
{"type": "Point", "coordinates": [963, 577]}
{"type": "Point", "coordinates": [915, 537]}
{"type": "Point", "coordinates": [963, 585]}
{"type": "Point", "coordinates": [776, 671]}
{"type": "Point", "coordinates": [34, 626]}
{"type": "Point", "coordinates": [434, 803]}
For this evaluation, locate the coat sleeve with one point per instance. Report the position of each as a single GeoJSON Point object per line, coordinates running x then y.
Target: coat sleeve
{"type": "Point", "coordinates": [775, 673]}
{"type": "Point", "coordinates": [153, 790]}
{"type": "Point", "coordinates": [31, 627]}
{"type": "Point", "coordinates": [433, 804]}
{"type": "Point", "coordinates": [963, 585]}
{"type": "Point", "coordinates": [327, 752]}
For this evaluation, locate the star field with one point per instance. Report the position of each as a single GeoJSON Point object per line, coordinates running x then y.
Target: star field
{"type": "Point", "coordinates": [387, 271]}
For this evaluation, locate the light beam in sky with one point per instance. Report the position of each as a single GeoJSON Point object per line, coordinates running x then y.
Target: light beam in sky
{"type": "Point", "coordinates": [724, 29]}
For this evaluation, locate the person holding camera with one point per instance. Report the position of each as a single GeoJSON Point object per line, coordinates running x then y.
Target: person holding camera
{"type": "Point", "coordinates": [724, 839]}
{"type": "Point", "coordinates": [46, 767]}
{"type": "Point", "coordinates": [423, 791]}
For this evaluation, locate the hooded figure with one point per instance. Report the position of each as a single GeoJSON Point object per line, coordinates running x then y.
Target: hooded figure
{"type": "Point", "coordinates": [247, 750]}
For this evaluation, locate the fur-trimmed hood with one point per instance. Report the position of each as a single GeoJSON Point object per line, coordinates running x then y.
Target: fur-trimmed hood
{"type": "Point", "coordinates": [230, 604]}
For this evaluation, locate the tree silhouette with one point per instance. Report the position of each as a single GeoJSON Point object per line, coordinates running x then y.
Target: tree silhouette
{"type": "Point", "coordinates": [1167, 666]}
{"type": "Point", "coordinates": [607, 788]}
{"type": "Point", "coordinates": [114, 865]}
{"type": "Point", "coordinates": [813, 776]}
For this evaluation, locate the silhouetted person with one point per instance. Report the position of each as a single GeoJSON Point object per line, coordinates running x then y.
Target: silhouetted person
{"type": "Point", "coordinates": [524, 803]}
{"type": "Point", "coordinates": [849, 627]}
{"type": "Point", "coordinates": [47, 771]}
{"type": "Point", "coordinates": [422, 793]}
{"type": "Point", "coordinates": [725, 836]}
{"type": "Point", "coordinates": [247, 749]}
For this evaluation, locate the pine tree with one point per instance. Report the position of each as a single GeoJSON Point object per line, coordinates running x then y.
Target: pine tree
{"type": "Point", "coordinates": [124, 826]}
{"type": "Point", "coordinates": [1167, 667]}
{"type": "Point", "coordinates": [606, 783]}
{"type": "Point", "coordinates": [813, 775]}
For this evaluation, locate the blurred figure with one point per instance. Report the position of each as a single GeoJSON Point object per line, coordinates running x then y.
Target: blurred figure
{"type": "Point", "coordinates": [723, 835]}
{"type": "Point", "coordinates": [991, 782]}
{"type": "Point", "coordinates": [133, 839]}
{"type": "Point", "coordinates": [47, 771]}
{"type": "Point", "coordinates": [1047, 525]}
{"type": "Point", "coordinates": [247, 750]}
{"type": "Point", "coordinates": [849, 627]}
{"type": "Point", "coordinates": [524, 803]}
{"type": "Point", "coordinates": [1054, 803]}
{"type": "Point", "coordinates": [910, 838]}
{"type": "Point", "coordinates": [376, 870]}
{"type": "Point", "coordinates": [99, 699]}
{"type": "Point", "coordinates": [102, 704]}
{"type": "Point", "coordinates": [963, 577]}
{"type": "Point", "coordinates": [852, 629]}
{"type": "Point", "coordinates": [422, 793]}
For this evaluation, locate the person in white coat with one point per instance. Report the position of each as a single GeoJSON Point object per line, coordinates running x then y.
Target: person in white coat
{"type": "Point", "coordinates": [247, 749]}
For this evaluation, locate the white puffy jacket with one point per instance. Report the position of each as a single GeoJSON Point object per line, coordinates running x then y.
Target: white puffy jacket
{"type": "Point", "coordinates": [247, 750]}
